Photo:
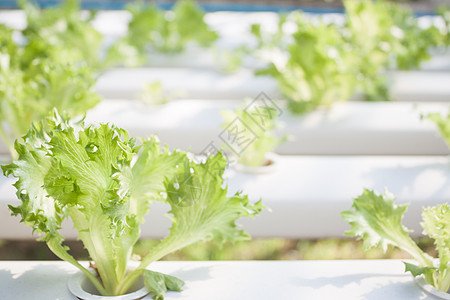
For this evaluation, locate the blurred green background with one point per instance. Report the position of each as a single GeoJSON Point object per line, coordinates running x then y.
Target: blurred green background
{"type": "Point", "coordinates": [256, 249]}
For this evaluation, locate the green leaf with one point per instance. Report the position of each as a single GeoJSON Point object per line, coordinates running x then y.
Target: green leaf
{"type": "Point", "coordinates": [158, 284]}
{"type": "Point", "coordinates": [436, 224]}
{"type": "Point", "coordinates": [416, 270]}
{"type": "Point", "coordinates": [146, 177]}
{"type": "Point", "coordinates": [443, 125]}
{"type": "Point", "coordinates": [378, 221]}
{"type": "Point", "coordinates": [173, 283]}
{"type": "Point", "coordinates": [428, 272]}
{"type": "Point", "coordinates": [37, 209]}
{"type": "Point", "coordinates": [201, 209]}
{"type": "Point", "coordinates": [200, 206]}
{"type": "Point", "coordinates": [155, 283]}
{"type": "Point", "coordinates": [444, 12]}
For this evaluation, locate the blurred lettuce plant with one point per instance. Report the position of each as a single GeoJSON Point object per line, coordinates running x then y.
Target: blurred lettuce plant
{"type": "Point", "coordinates": [255, 125]}
{"type": "Point", "coordinates": [316, 71]}
{"type": "Point", "coordinates": [36, 78]}
{"type": "Point", "coordinates": [64, 27]}
{"type": "Point", "coordinates": [167, 32]}
{"type": "Point", "coordinates": [383, 35]}
{"type": "Point", "coordinates": [153, 94]}
{"type": "Point", "coordinates": [444, 13]}
{"type": "Point", "coordinates": [442, 123]}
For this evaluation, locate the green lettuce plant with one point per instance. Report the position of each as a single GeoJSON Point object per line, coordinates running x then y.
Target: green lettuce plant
{"type": "Point", "coordinates": [64, 27]}
{"type": "Point", "coordinates": [442, 123]}
{"type": "Point", "coordinates": [255, 124]}
{"type": "Point", "coordinates": [377, 220]}
{"type": "Point", "coordinates": [153, 94]}
{"type": "Point", "coordinates": [368, 25]}
{"type": "Point", "coordinates": [384, 35]}
{"type": "Point", "coordinates": [316, 71]}
{"type": "Point", "coordinates": [274, 39]}
{"type": "Point", "coordinates": [321, 64]}
{"type": "Point", "coordinates": [230, 60]}
{"type": "Point", "coordinates": [36, 78]}
{"type": "Point", "coordinates": [444, 13]}
{"type": "Point", "coordinates": [167, 32]}
{"type": "Point", "coordinates": [105, 182]}
{"type": "Point", "coordinates": [412, 43]}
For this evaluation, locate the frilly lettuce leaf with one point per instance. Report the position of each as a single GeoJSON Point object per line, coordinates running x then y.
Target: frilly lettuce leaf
{"type": "Point", "coordinates": [199, 202]}
{"type": "Point", "coordinates": [200, 207]}
{"type": "Point", "coordinates": [436, 224]}
{"type": "Point", "coordinates": [145, 178]}
{"type": "Point", "coordinates": [378, 221]}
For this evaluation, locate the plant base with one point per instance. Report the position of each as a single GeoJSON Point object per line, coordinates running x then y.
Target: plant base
{"type": "Point", "coordinates": [420, 280]}
{"type": "Point", "coordinates": [269, 166]}
{"type": "Point", "coordinates": [80, 286]}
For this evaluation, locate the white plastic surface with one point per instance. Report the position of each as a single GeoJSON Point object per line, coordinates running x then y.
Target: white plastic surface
{"type": "Point", "coordinates": [237, 280]}
{"type": "Point", "coordinates": [352, 128]}
{"type": "Point", "coordinates": [306, 195]}
{"type": "Point", "coordinates": [407, 86]}
{"type": "Point", "coordinates": [127, 83]}
{"type": "Point", "coordinates": [420, 280]}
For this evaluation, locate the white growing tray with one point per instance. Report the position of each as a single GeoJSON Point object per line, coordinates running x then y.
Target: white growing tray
{"type": "Point", "coordinates": [240, 280]}
{"type": "Point", "coordinates": [201, 83]}
{"type": "Point", "coordinates": [352, 128]}
{"type": "Point", "coordinates": [305, 194]}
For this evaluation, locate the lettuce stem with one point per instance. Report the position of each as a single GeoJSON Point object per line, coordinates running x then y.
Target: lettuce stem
{"type": "Point", "coordinates": [166, 246]}
{"type": "Point", "coordinates": [55, 246]}
{"type": "Point", "coordinates": [444, 281]}
{"type": "Point", "coordinates": [417, 253]}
